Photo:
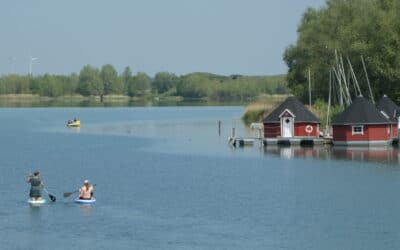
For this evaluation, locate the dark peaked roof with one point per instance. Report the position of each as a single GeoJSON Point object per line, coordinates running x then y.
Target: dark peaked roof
{"type": "Point", "coordinates": [361, 111]}
{"type": "Point", "coordinates": [389, 107]}
{"type": "Point", "coordinates": [296, 108]}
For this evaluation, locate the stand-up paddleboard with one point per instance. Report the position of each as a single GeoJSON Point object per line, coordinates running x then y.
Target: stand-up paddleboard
{"type": "Point", "coordinates": [36, 202]}
{"type": "Point", "coordinates": [79, 201]}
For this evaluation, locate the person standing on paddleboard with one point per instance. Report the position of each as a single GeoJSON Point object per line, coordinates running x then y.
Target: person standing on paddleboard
{"type": "Point", "coordinates": [36, 185]}
{"type": "Point", "coordinates": [86, 191]}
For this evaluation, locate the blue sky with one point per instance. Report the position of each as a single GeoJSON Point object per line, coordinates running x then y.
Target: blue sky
{"type": "Point", "coordinates": [179, 36]}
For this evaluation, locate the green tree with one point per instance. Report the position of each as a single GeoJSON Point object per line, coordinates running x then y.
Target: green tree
{"type": "Point", "coordinates": [109, 76]}
{"type": "Point", "coordinates": [164, 81]}
{"type": "Point", "coordinates": [193, 86]}
{"type": "Point", "coordinates": [69, 83]}
{"type": "Point", "coordinates": [139, 84]}
{"type": "Point", "coordinates": [49, 86]}
{"type": "Point", "coordinates": [126, 76]}
{"type": "Point", "coordinates": [368, 28]}
{"type": "Point", "coordinates": [90, 82]}
{"type": "Point", "coordinates": [14, 84]}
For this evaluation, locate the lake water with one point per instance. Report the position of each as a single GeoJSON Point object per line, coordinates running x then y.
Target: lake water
{"type": "Point", "coordinates": [166, 180]}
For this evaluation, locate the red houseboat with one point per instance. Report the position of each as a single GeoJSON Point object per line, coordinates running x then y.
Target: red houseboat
{"type": "Point", "coordinates": [363, 124]}
{"type": "Point", "coordinates": [291, 123]}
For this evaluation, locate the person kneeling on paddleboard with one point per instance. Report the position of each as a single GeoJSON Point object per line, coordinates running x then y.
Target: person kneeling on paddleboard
{"type": "Point", "coordinates": [86, 191]}
{"type": "Point", "coordinates": [36, 185]}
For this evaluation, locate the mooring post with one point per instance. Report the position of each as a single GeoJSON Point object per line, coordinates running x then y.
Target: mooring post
{"type": "Point", "coordinates": [219, 127]}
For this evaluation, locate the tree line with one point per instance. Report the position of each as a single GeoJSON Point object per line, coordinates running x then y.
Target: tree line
{"type": "Point", "coordinates": [92, 81]}
{"type": "Point", "coordinates": [363, 34]}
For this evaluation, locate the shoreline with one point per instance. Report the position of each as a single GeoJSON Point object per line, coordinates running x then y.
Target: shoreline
{"type": "Point", "coordinates": [30, 100]}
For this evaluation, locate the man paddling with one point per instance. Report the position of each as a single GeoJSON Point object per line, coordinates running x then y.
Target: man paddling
{"type": "Point", "coordinates": [36, 185]}
{"type": "Point", "coordinates": [86, 191]}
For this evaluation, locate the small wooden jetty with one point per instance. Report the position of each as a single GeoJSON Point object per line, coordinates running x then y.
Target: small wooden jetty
{"type": "Point", "coordinates": [240, 141]}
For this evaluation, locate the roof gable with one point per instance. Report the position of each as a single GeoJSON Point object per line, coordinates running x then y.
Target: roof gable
{"type": "Point", "coordinates": [286, 113]}
{"type": "Point", "coordinates": [296, 108]}
{"type": "Point", "coordinates": [360, 111]}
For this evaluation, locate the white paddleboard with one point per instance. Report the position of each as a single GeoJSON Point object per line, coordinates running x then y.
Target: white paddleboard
{"type": "Point", "coordinates": [36, 202]}
{"type": "Point", "coordinates": [79, 201]}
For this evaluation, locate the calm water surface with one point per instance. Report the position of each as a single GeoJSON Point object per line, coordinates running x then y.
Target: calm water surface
{"type": "Point", "coordinates": [166, 180]}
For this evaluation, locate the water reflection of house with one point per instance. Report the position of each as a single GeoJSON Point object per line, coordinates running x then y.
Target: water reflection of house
{"type": "Point", "coordinates": [291, 123]}
{"type": "Point", "coordinates": [387, 155]}
{"type": "Point", "coordinates": [392, 111]}
{"type": "Point", "coordinates": [363, 124]}
{"type": "Point", "coordinates": [368, 154]}
{"type": "Point", "coordinates": [295, 151]}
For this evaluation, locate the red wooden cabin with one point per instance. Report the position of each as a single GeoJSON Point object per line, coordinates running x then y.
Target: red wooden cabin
{"type": "Point", "coordinates": [363, 124]}
{"type": "Point", "coordinates": [291, 119]}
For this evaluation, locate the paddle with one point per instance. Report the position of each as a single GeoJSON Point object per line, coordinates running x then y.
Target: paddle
{"type": "Point", "coordinates": [52, 197]}
{"type": "Point", "coordinates": [68, 194]}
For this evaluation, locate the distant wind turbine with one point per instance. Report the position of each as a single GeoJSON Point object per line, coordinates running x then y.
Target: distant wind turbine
{"type": "Point", "coordinates": [32, 59]}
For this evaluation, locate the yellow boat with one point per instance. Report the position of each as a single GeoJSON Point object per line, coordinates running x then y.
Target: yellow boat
{"type": "Point", "coordinates": [74, 123]}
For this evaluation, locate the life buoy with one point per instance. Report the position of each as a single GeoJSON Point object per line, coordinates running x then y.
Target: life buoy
{"type": "Point", "coordinates": [309, 128]}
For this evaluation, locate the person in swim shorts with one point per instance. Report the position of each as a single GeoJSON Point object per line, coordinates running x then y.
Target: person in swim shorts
{"type": "Point", "coordinates": [86, 191]}
{"type": "Point", "coordinates": [36, 186]}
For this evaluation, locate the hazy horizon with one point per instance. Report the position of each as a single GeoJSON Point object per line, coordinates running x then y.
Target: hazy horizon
{"type": "Point", "coordinates": [221, 37]}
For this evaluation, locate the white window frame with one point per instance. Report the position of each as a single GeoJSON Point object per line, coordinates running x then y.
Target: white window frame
{"type": "Point", "coordinates": [357, 132]}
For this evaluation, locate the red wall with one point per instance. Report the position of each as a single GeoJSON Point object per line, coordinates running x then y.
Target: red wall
{"type": "Point", "coordinates": [300, 129]}
{"type": "Point", "coordinates": [272, 130]}
{"type": "Point", "coordinates": [395, 132]}
{"type": "Point", "coordinates": [371, 133]}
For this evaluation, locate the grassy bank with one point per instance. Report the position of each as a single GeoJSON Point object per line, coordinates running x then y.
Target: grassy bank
{"type": "Point", "coordinates": [258, 110]}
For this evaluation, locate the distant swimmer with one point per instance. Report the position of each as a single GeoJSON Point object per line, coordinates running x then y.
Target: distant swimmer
{"type": "Point", "coordinates": [36, 185]}
{"type": "Point", "coordinates": [86, 191]}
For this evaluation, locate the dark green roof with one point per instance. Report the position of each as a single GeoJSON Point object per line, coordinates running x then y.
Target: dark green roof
{"type": "Point", "coordinates": [360, 111]}
{"type": "Point", "coordinates": [302, 114]}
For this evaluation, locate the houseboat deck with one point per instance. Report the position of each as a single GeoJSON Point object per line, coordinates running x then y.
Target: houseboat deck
{"type": "Point", "coordinates": [295, 141]}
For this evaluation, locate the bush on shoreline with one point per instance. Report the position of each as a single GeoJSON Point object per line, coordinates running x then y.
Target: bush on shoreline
{"type": "Point", "coordinates": [106, 84]}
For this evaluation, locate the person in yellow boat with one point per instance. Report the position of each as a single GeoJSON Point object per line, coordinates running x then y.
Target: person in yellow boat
{"type": "Point", "coordinates": [36, 185]}
{"type": "Point", "coordinates": [86, 191]}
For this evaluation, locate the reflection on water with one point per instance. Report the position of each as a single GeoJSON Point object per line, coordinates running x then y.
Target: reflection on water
{"type": "Point", "coordinates": [387, 155]}
{"type": "Point", "coordinates": [85, 208]}
{"type": "Point", "coordinates": [75, 129]}
{"type": "Point", "coordinates": [35, 209]}
{"type": "Point", "coordinates": [36, 213]}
